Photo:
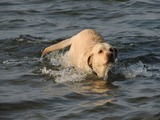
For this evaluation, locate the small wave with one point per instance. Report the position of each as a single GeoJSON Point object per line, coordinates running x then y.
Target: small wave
{"type": "Point", "coordinates": [154, 70]}
{"type": "Point", "coordinates": [132, 70]}
{"type": "Point", "coordinates": [58, 72]}
{"type": "Point", "coordinates": [15, 62]}
{"type": "Point", "coordinates": [28, 39]}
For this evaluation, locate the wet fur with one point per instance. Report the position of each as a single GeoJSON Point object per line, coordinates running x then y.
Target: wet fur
{"type": "Point", "coordinates": [88, 52]}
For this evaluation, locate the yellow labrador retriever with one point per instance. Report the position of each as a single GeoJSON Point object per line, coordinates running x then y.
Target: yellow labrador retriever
{"type": "Point", "coordinates": [88, 52]}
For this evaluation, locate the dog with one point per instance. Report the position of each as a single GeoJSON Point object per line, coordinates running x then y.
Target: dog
{"type": "Point", "coordinates": [88, 51]}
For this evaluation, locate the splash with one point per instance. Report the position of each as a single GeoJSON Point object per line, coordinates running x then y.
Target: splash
{"type": "Point", "coordinates": [64, 75]}
{"type": "Point", "coordinates": [69, 74]}
{"type": "Point", "coordinates": [109, 67]}
{"type": "Point", "coordinates": [133, 70]}
{"type": "Point", "coordinates": [59, 73]}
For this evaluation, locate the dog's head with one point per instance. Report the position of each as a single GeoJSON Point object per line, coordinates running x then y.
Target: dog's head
{"type": "Point", "coordinates": [102, 58]}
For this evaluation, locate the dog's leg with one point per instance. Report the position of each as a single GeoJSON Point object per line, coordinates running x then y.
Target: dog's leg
{"type": "Point", "coordinates": [57, 46]}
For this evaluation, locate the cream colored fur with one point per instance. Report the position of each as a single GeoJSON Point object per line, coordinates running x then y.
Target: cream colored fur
{"type": "Point", "coordinates": [88, 52]}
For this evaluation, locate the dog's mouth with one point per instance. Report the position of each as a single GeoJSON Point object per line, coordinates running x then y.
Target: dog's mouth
{"type": "Point", "coordinates": [112, 59]}
{"type": "Point", "coordinates": [104, 75]}
{"type": "Point", "coordinates": [108, 68]}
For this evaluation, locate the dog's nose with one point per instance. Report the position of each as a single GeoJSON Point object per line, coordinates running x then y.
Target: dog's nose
{"type": "Point", "coordinates": [110, 57]}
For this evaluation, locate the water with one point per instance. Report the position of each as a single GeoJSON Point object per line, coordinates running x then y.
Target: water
{"type": "Point", "coordinates": [35, 90]}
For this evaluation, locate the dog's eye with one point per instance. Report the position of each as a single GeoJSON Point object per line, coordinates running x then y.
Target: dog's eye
{"type": "Point", "coordinates": [101, 51]}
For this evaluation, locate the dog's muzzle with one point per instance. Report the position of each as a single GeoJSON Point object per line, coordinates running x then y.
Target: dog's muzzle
{"type": "Point", "coordinates": [111, 58]}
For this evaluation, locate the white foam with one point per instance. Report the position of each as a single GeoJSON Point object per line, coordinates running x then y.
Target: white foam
{"type": "Point", "coordinates": [14, 62]}
{"type": "Point", "coordinates": [63, 74]}
{"type": "Point", "coordinates": [134, 70]}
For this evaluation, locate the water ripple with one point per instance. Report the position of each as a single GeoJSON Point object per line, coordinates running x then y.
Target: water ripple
{"type": "Point", "coordinates": [32, 89]}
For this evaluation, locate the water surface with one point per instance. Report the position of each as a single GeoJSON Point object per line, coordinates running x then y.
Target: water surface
{"type": "Point", "coordinates": [34, 90]}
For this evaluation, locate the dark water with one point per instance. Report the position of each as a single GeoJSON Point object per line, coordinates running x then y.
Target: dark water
{"type": "Point", "coordinates": [32, 90]}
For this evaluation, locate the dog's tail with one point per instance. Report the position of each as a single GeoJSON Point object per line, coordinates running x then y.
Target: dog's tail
{"type": "Point", "coordinates": [57, 46]}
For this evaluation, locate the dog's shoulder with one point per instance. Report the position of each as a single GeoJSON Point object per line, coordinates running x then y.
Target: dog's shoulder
{"type": "Point", "coordinates": [89, 34]}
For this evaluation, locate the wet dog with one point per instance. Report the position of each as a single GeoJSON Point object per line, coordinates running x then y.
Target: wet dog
{"type": "Point", "coordinates": [88, 52]}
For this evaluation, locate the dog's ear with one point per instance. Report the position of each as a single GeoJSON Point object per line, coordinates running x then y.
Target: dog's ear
{"type": "Point", "coordinates": [90, 60]}
{"type": "Point", "coordinates": [116, 52]}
